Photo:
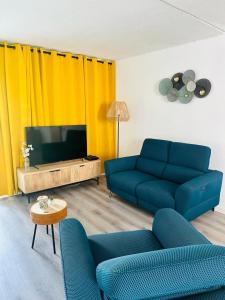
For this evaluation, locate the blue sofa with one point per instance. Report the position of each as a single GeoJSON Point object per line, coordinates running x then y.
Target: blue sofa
{"type": "Point", "coordinates": [166, 174]}
{"type": "Point", "coordinates": [172, 261]}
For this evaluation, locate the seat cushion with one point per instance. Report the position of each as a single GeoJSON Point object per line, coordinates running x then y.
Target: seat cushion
{"type": "Point", "coordinates": [127, 181]}
{"type": "Point", "coordinates": [153, 157]}
{"type": "Point", "coordinates": [159, 193]}
{"type": "Point", "coordinates": [124, 195]}
{"type": "Point", "coordinates": [112, 245]}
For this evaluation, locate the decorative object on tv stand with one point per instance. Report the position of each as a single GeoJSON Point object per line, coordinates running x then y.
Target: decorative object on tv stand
{"type": "Point", "coordinates": [25, 149]}
{"type": "Point", "coordinates": [118, 110]}
{"type": "Point", "coordinates": [183, 86]}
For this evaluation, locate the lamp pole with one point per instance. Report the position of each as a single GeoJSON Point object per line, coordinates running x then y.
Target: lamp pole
{"type": "Point", "coordinates": [118, 135]}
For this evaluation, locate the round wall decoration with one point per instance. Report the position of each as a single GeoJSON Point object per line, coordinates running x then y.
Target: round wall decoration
{"type": "Point", "coordinates": [185, 96]}
{"type": "Point", "coordinates": [164, 86]}
{"type": "Point", "coordinates": [177, 81]}
{"type": "Point", "coordinates": [188, 75]}
{"type": "Point", "coordinates": [172, 95]}
{"type": "Point", "coordinates": [203, 87]}
{"type": "Point", "coordinates": [184, 87]}
{"type": "Point", "coordinates": [191, 86]}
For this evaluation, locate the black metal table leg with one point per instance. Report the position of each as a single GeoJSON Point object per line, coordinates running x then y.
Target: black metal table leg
{"type": "Point", "coordinates": [47, 229]}
{"type": "Point", "coordinates": [97, 179]}
{"type": "Point", "coordinates": [53, 238]}
{"type": "Point", "coordinates": [28, 198]}
{"type": "Point", "coordinates": [35, 229]}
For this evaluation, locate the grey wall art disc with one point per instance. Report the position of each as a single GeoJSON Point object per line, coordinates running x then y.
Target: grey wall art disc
{"type": "Point", "coordinates": [203, 87]}
{"type": "Point", "coordinates": [188, 75]}
{"type": "Point", "coordinates": [177, 81]}
{"type": "Point", "coordinates": [172, 95]}
{"type": "Point", "coordinates": [191, 86]}
{"type": "Point", "coordinates": [183, 86]}
{"type": "Point", "coordinates": [164, 86]}
{"type": "Point", "coordinates": [185, 96]}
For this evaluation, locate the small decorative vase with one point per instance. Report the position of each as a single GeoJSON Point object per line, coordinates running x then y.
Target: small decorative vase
{"type": "Point", "coordinates": [43, 203]}
{"type": "Point", "coordinates": [26, 163]}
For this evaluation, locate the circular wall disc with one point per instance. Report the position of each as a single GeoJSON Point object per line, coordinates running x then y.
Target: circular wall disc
{"type": "Point", "coordinates": [177, 81]}
{"type": "Point", "coordinates": [172, 95]}
{"type": "Point", "coordinates": [190, 86]}
{"type": "Point", "coordinates": [164, 86]}
{"type": "Point", "coordinates": [203, 87]}
{"type": "Point", "coordinates": [185, 96]}
{"type": "Point", "coordinates": [188, 75]}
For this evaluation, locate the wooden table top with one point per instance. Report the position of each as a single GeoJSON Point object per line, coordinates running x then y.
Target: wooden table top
{"type": "Point", "coordinates": [56, 211]}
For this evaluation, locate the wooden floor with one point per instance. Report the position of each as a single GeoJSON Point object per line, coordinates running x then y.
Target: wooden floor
{"type": "Point", "coordinates": [27, 274]}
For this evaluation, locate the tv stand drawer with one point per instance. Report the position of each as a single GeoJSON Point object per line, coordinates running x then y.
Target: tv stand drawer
{"type": "Point", "coordinates": [41, 181]}
{"type": "Point", "coordinates": [48, 177]}
{"type": "Point", "coordinates": [90, 170]}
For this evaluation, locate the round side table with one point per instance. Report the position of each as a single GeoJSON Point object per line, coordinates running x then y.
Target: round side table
{"type": "Point", "coordinates": [56, 211]}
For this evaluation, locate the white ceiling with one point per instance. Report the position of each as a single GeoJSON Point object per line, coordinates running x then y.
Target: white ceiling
{"type": "Point", "coordinates": [110, 28]}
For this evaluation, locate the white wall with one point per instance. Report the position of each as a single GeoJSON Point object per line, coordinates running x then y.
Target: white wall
{"type": "Point", "coordinates": [201, 121]}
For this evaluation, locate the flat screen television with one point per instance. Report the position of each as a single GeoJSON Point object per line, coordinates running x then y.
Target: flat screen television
{"type": "Point", "coordinates": [56, 143]}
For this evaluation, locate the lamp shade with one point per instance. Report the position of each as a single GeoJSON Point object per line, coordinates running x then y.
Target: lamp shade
{"type": "Point", "coordinates": [118, 109]}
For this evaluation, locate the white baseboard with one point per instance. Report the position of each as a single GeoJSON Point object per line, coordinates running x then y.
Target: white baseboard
{"type": "Point", "coordinates": [4, 196]}
{"type": "Point", "coordinates": [220, 209]}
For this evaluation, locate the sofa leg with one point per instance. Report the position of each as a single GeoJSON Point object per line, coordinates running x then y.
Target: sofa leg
{"type": "Point", "coordinates": [213, 209]}
{"type": "Point", "coordinates": [110, 194]}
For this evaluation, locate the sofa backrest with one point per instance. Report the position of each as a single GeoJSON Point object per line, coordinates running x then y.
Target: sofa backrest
{"type": "Point", "coordinates": [186, 161]}
{"type": "Point", "coordinates": [177, 162]}
{"type": "Point", "coordinates": [153, 157]}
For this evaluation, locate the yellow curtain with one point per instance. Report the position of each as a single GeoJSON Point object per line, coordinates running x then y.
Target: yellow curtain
{"type": "Point", "coordinates": [14, 113]}
{"type": "Point", "coordinates": [100, 93]}
{"type": "Point", "coordinates": [58, 89]}
{"type": "Point", "coordinates": [39, 87]}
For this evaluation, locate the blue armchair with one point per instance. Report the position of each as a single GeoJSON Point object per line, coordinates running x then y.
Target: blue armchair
{"type": "Point", "coordinates": [172, 261]}
{"type": "Point", "coordinates": [166, 174]}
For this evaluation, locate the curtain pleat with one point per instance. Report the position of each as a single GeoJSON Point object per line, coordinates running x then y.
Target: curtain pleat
{"type": "Point", "coordinates": [14, 112]}
{"type": "Point", "coordinates": [39, 89]}
{"type": "Point", "coordinates": [100, 93]}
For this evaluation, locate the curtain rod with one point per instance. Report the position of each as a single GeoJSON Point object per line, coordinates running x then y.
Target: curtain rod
{"type": "Point", "coordinates": [58, 54]}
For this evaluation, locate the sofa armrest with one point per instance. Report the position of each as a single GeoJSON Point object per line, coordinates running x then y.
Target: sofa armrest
{"type": "Point", "coordinates": [197, 190]}
{"type": "Point", "coordinates": [163, 273]}
{"type": "Point", "coordinates": [120, 164]}
{"type": "Point", "coordinates": [173, 230]}
{"type": "Point", "coordinates": [78, 265]}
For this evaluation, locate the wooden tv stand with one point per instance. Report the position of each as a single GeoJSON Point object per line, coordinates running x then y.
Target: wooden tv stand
{"type": "Point", "coordinates": [53, 175]}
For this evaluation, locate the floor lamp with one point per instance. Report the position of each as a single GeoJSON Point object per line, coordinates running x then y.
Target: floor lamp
{"type": "Point", "coordinates": [118, 110]}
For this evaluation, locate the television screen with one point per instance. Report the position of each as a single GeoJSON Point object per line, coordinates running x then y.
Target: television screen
{"type": "Point", "coordinates": [56, 143]}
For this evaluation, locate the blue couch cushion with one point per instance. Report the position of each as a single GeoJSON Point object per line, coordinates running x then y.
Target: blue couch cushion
{"type": "Point", "coordinates": [128, 180]}
{"type": "Point", "coordinates": [150, 166]}
{"type": "Point", "coordinates": [207, 295]}
{"type": "Point", "coordinates": [190, 156]}
{"type": "Point", "coordinates": [153, 156]}
{"type": "Point", "coordinates": [186, 161]}
{"type": "Point", "coordinates": [180, 174]}
{"type": "Point", "coordinates": [112, 245]}
{"type": "Point", "coordinates": [182, 233]}
{"type": "Point", "coordinates": [155, 149]}
{"type": "Point", "coordinates": [160, 193]}
{"type": "Point", "coordinates": [124, 195]}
